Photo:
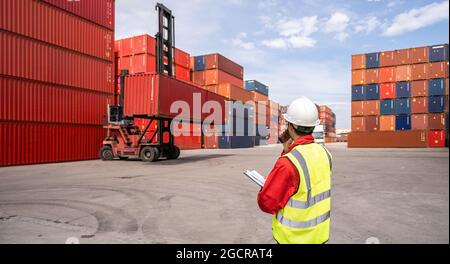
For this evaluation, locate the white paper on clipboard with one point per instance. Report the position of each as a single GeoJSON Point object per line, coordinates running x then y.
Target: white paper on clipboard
{"type": "Point", "coordinates": [255, 176]}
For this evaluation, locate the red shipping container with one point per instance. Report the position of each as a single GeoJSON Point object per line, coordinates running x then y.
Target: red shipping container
{"type": "Point", "coordinates": [141, 63]}
{"type": "Point", "coordinates": [419, 105]}
{"type": "Point", "coordinates": [419, 88]}
{"type": "Point", "coordinates": [52, 64]}
{"type": "Point", "coordinates": [372, 107]}
{"type": "Point", "coordinates": [372, 123]}
{"type": "Point", "coordinates": [387, 123]}
{"type": "Point", "coordinates": [388, 139]}
{"type": "Point", "coordinates": [218, 77]}
{"type": "Point", "coordinates": [190, 139]}
{"type": "Point", "coordinates": [29, 143]}
{"type": "Point", "coordinates": [182, 58]}
{"type": "Point", "coordinates": [219, 62]}
{"type": "Point", "coordinates": [153, 94]}
{"type": "Point", "coordinates": [358, 77]}
{"type": "Point", "coordinates": [438, 70]}
{"type": "Point", "coordinates": [210, 138]}
{"type": "Point", "coordinates": [387, 91]}
{"type": "Point", "coordinates": [359, 123]}
{"type": "Point", "coordinates": [387, 74]}
{"type": "Point", "coordinates": [387, 58]}
{"type": "Point", "coordinates": [419, 71]}
{"type": "Point", "coordinates": [51, 26]}
{"type": "Point", "coordinates": [199, 77]}
{"type": "Point", "coordinates": [436, 138]}
{"type": "Point", "coordinates": [234, 93]}
{"type": "Point", "coordinates": [419, 55]}
{"type": "Point", "coordinates": [419, 122]}
{"type": "Point", "coordinates": [358, 61]}
{"type": "Point", "coordinates": [98, 11]}
{"type": "Point", "coordinates": [182, 73]}
{"type": "Point", "coordinates": [403, 73]}
{"type": "Point", "coordinates": [402, 57]}
{"type": "Point", "coordinates": [372, 76]}
{"type": "Point", "coordinates": [142, 44]}
{"type": "Point", "coordinates": [436, 121]}
{"type": "Point", "coordinates": [24, 100]}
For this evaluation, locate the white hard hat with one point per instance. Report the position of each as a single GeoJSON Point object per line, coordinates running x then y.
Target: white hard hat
{"type": "Point", "coordinates": [302, 112]}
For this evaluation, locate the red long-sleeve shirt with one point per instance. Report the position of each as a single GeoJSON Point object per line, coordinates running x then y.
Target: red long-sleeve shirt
{"type": "Point", "coordinates": [282, 182]}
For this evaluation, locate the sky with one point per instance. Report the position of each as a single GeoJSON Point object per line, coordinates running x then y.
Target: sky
{"type": "Point", "coordinates": [296, 47]}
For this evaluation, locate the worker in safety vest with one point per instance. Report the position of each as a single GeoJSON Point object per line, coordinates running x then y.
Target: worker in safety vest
{"type": "Point", "coordinates": [297, 190]}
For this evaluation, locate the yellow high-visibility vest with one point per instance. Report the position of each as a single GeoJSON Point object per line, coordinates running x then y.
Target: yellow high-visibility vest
{"type": "Point", "coordinates": [306, 217]}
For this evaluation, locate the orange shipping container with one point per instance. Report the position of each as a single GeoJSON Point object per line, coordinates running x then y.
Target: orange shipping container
{"type": "Point", "coordinates": [217, 61]}
{"type": "Point", "coordinates": [387, 58]}
{"type": "Point", "coordinates": [419, 55]}
{"type": "Point", "coordinates": [372, 76]}
{"type": "Point", "coordinates": [419, 105]}
{"type": "Point", "coordinates": [358, 61]}
{"type": "Point", "coordinates": [419, 71]}
{"type": "Point", "coordinates": [199, 77]}
{"type": "Point", "coordinates": [219, 77]}
{"type": "Point", "coordinates": [419, 88]}
{"type": "Point", "coordinates": [402, 57]}
{"type": "Point", "coordinates": [358, 124]}
{"type": "Point", "coordinates": [387, 74]}
{"type": "Point", "coordinates": [419, 122]}
{"type": "Point", "coordinates": [234, 93]}
{"type": "Point", "coordinates": [387, 123]}
{"type": "Point", "coordinates": [358, 77]}
{"type": "Point", "coordinates": [403, 73]}
{"type": "Point", "coordinates": [438, 70]}
{"type": "Point", "coordinates": [387, 91]}
{"type": "Point", "coordinates": [258, 97]}
{"type": "Point", "coordinates": [371, 107]}
{"type": "Point", "coordinates": [357, 108]}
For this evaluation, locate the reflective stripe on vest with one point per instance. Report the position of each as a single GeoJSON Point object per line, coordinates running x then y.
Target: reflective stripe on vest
{"type": "Point", "coordinates": [329, 157]}
{"type": "Point", "coordinates": [294, 224]}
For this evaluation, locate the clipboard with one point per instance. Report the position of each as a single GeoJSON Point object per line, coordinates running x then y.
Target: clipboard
{"type": "Point", "coordinates": [255, 177]}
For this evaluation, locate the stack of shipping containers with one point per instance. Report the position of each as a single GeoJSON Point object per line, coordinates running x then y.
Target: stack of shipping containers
{"type": "Point", "coordinates": [260, 96]}
{"type": "Point", "coordinates": [273, 118]}
{"type": "Point", "coordinates": [56, 79]}
{"type": "Point", "coordinates": [400, 98]}
{"type": "Point", "coordinates": [328, 121]}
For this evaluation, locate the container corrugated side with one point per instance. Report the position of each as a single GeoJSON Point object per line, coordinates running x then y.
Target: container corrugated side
{"type": "Point", "coordinates": [31, 59]}
{"type": "Point", "coordinates": [388, 139]}
{"type": "Point", "coordinates": [46, 23]}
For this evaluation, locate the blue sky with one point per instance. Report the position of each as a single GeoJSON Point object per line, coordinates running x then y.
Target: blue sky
{"type": "Point", "coordinates": [298, 47]}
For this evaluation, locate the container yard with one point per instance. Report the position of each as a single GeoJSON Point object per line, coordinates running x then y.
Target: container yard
{"type": "Point", "coordinates": [104, 127]}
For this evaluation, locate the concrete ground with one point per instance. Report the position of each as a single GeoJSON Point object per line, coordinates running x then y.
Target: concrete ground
{"type": "Point", "coordinates": [394, 195]}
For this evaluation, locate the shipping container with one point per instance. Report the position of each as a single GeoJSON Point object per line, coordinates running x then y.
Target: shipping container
{"type": "Point", "coordinates": [30, 143]}
{"type": "Point", "coordinates": [419, 71]}
{"type": "Point", "coordinates": [199, 63]}
{"type": "Point", "coordinates": [199, 77]}
{"type": "Point", "coordinates": [358, 108]}
{"type": "Point", "coordinates": [219, 62]}
{"type": "Point", "coordinates": [403, 89]}
{"type": "Point", "coordinates": [402, 106]}
{"type": "Point", "coordinates": [436, 87]}
{"type": "Point", "coordinates": [359, 123]}
{"type": "Point", "coordinates": [358, 77]}
{"type": "Point", "coordinates": [190, 138]}
{"type": "Point", "coordinates": [402, 122]}
{"type": "Point", "coordinates": [372, 107]}
{"type": "Point", "coordinates": [140, 63]}
{"type": "Point", "coordinates": [252, 85]}
{"type": "Point", "coordinates": [51, 26]}
{"type": "Point", "coordinates": [233, 92]}
{"type": "Point", "coordinates": [419, 55]}
{"type": "Point", "coordinates": [388, 139]}
{"type": "Point", "coordinates": [100, 12]}
{"type": "Point", "coordinates": [419, 122]}
{"type": "Point", "coordinates": [372, 60]}
{"type": "Point", "coordinates": [438, 70]}
{"type": "Point", "coordinates": [358, 93]}
{"type": "Point", "coordinates": [214, 77]}
{"type": "Point", "coordinates": [419, 88]}
{"type": "Point", "coordinates": [372, 76]}
{"type": "Point", "coordinates": [181, 58]}
{"type": "Point", "coordinates": [182, 73]}
{"type": "Point", "coordinates": [372, 91]}
{"type": "Point", "coordinates": [387, 107]}
{"type": "Point", "coordinates": [436, 104]}
{"type": "Point", "coordinates": [387, 58]}
{"type": "Point", "coordinates": [372, 123]}
{"type": "Point", "coordinates": [403, 73]}
{"type": "Point", "coordinates": [436, 138]}
{"type": "Point", "coordinates": [436, 121]}
{"type": "Point", "coordinates": [258, 97]}
{"type": "Point", "coordinates": [419, 105]}
{"type": "Point", "coordinates": [358, 61]}
{"type": "Point", "coordinates": [44, 62]}
{"type": "Point", "coordinates": [387, 91]}
{"type": "Point", "coordinates": [438, 53]}
{"type": "Point", "coordinates": [387, 123]}
{"type": "Point", "coordinates": [387, 74]}
{"type": "Point", "coordinates": [402, 57]}
{"type": "Point", "coordinates": [142, 44]}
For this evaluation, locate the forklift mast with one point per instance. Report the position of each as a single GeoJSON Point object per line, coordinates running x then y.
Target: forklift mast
{"type": "Point", "coordinates": [165, 40]}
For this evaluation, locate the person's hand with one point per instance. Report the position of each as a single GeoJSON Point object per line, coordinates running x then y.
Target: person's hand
{"type": "Point", "coordinates": [287, 144]}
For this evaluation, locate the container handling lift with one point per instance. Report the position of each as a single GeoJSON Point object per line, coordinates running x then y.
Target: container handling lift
{"type": "Point", "coordinates": [125, 139]}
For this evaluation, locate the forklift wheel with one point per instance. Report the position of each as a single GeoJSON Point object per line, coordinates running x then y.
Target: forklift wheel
{"type": "Point", "coordinates": [174, 153]}
{"type": "Point", "coordinates": [106, 153]}
{"type": "Point", "coordinates": [149, 154]}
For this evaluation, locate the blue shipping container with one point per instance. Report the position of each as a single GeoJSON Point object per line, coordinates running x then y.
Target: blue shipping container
{"type": "Point", "coordinates": [372, 91]}
{"type": "Point", "coordinates": [358, 93]}
{"type": "Point", "coordinates": [252, 85]}
{"type": "Point", "coordinates": [372, 60]}
{"type": "Point", "coordinates": [199, 63]}
{"type": "Point", "coordinates": [403, 89]}
{"type": "Point", "coordinates": [436, 87]}
{"type": "Point", "coordinates": [438, 53]}
{"type": "Point", "coordinates": [224, 142]}
{"type": "Point", "coordinates": [242, 142]}
{"type": "Point", "coordinates": [387, 107]}
{"type": "Point", "coordinates": [402, 106]}
{"type": "Point", "coordinates": [403, 122]}
{"type": "Point", "coordinates": [436, 104]}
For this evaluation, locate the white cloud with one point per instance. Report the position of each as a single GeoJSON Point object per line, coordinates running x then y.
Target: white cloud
{"type": "Point", "coordinates": [301, 41]}
{"type": "Point", "coordinates": [239, 41]}
{"type": "Point", "coordinates": [278, 43]}
{"type": "Point", "coordinates": [368, 25]}
{"type": "Point", "coordinates": [304, 26]}
{"type": "Point", "coordinates": [418, 18]}
{"type": "Point", "coordinates": [338, 23]}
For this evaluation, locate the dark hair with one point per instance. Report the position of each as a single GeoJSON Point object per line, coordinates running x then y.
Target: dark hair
{"type": "Point", "coordinates": [301, 130]}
